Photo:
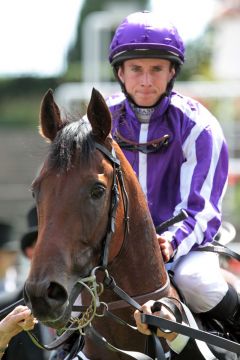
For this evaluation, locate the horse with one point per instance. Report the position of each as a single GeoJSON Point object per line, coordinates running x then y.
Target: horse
{"type": "Point", "coordinates": [93, 223]}
{"type": "Point", "coordinates": [73, 194]}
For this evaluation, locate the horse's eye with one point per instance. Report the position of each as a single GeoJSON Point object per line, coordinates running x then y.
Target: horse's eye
{"type": "Point", "coordinates": [97, 191]}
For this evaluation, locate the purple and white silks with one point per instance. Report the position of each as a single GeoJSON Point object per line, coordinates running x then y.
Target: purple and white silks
{"type": "Point", "coordinates": [190, 173]}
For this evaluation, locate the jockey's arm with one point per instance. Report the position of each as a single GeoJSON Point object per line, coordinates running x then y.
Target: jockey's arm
{"type": "Point", "coordinates": [199, 197]}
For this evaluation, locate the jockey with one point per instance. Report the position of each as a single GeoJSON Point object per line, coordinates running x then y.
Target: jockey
{"type": "Point", "coordinates": [178, 152]}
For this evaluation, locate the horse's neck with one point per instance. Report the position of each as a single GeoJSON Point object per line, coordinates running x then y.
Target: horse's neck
{"type": "Point", "coordinates": [140, 259]}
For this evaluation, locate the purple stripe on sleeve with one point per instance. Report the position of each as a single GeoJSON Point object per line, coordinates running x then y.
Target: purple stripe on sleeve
{"type": "Point", "coordinates": [219, 176]}
{"type": "Point", "coordinates": [212, 226]}
{"type": "Point", "coordinates": [203, 158]}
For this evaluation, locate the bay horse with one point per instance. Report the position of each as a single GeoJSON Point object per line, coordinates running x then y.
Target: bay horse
{"type": "Point", "coordinates": [93, 223]}
{"type": "Point", "coordinates": [73, 194]}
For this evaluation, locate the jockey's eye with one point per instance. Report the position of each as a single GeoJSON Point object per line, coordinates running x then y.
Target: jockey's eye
{"type": "Point", "coordinates": [97, 191]}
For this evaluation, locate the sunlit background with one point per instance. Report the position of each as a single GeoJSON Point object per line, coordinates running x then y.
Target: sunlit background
{"type": "Point", "coordinates": [62, 44]}
{"type": "Point", "coordinates": [35, 35]}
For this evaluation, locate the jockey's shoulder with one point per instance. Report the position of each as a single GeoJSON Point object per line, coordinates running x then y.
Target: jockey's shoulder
{"type": "Point", "coordinates": [115, 99]}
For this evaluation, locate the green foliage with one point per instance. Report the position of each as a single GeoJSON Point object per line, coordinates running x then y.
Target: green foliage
{"type": "Point", "coordinates": [19, 111]}
{"type": "Point", "coordinates": [198, 55]}
{"type": "Point", "coordinates": [73, 72]}
{"type": "Point", "coordinates": [25, 86]}
{"type": "Point", "coordinates": [20, 99]}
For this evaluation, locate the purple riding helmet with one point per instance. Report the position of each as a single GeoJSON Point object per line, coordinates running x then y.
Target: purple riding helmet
{"type": "Point", "coordinates": [144, 35]}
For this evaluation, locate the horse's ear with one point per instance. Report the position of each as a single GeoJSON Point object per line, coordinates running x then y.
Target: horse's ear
{"type": "Point", "coordinates": [99, 116]}
{"type": "Point", "coordinates": [50, 118]}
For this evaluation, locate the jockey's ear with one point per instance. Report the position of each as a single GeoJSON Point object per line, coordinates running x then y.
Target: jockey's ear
{"type": "Point", "coordinates": [50, 118]}
{"type": "Point", "coordinates": [99, 116]}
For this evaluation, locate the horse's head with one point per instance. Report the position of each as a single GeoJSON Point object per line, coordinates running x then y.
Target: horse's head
{"type": "Point", "coordinates": [73, 193]}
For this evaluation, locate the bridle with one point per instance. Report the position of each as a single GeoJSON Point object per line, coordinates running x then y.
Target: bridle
{"type": "Point", "coordinates": [117, 180]}
{"type": "Point", "coordinates": [109, 281]}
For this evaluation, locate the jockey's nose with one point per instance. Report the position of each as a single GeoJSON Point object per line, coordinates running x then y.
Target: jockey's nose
{"type": "Point", "coordinates": [146, 79]}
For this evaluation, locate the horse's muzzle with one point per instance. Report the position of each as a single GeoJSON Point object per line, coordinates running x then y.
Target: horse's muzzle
{"type": "Point", "coordinates": [48, 302]}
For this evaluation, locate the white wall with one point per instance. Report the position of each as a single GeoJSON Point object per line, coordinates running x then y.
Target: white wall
{"type": "Point", "coordinates": [226, 46]}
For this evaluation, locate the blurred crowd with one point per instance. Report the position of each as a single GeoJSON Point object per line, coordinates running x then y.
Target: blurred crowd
{"type": "Point", "coordinates": [11, 286]}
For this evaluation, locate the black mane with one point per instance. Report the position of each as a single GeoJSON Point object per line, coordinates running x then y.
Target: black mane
{"type": "Point", "coordinates": [74, 142]}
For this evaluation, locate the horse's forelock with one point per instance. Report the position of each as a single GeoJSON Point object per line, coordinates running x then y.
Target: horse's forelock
{"type": "Point", "coordinates": [74, 141]}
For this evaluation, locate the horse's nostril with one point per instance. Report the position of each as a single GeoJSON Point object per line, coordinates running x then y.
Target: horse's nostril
{"type": "Point", "coordinates": [48, 300]}
{"type": "Point", "coordinates": [56, 292]}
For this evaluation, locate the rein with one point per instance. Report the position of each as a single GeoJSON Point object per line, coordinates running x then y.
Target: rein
{"type": "Point", "coordinates": [98, 308]}
{"type": "Point", "coordinates": [84, 326]}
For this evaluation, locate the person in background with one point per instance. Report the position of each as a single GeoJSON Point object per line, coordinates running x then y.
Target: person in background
{"type": "Point", "coordinates": [14, 323]}
{"type": "Point", "coordinates": [179, 154]}
{"type": "Point", "coordinates": [28, 240]}
{"type": "Point", "coordinates": [21, 344]}
{"type": "Point", "coordinates": [9, 249]}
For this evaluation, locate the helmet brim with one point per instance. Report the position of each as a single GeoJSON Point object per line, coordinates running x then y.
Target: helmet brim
{"type": "Point", "coordinates": [119, 58]}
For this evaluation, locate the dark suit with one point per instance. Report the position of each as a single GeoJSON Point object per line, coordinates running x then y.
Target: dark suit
{"type": "Point", "coordinates": [21, 347]}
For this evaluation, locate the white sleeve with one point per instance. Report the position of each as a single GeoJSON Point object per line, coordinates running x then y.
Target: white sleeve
{"type": "Point", "coordinates": [179, 343]}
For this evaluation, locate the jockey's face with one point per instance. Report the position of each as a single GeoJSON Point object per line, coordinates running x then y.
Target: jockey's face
{"type": "Point", "coordinates": [145, 80]}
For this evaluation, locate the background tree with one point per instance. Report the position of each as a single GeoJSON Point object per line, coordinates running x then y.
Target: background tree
{"type": "Point", "coordinates": [198, 56]}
